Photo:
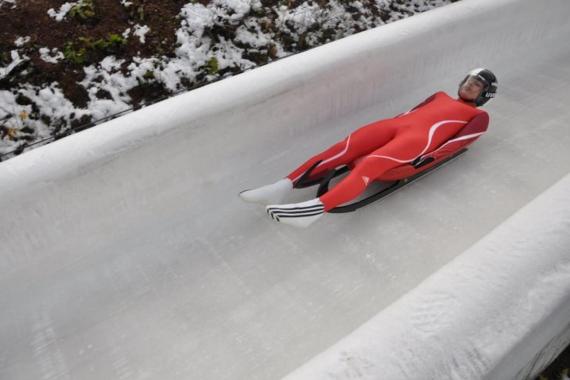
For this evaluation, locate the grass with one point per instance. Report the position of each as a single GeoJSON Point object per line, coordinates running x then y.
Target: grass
{"type": "Point", "coordinates": [87, 50]}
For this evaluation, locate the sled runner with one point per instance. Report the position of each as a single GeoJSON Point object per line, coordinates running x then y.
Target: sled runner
{"type": "Point", "coordinates": [324, 183]}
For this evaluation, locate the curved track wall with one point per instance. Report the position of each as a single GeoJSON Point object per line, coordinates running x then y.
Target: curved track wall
{"type": "Point", "coordinates": [500, 310]}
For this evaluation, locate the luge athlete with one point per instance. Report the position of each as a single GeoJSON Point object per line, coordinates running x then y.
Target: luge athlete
{"type": "Point", "coordinates": [387, 149]}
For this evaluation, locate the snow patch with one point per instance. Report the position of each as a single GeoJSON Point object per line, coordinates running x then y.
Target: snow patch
{"type": "Point", "coordinates": [197, 55]}
{"type": "Point", "coordinates": [301, 18]}
{"type": "Point", "coordinates": [13, 2]}
{"type": "Point", "coordinates": [51, 102]}
{"type": "Point", "coordinates": [255, 39]}
{"type": "Point", "coordinates": [126, 33]}
{"type": "Point", "coordinates": [51, 56]}
{"type": "Point", "coordinates": [229, 55]}
{"type": "Point", "coordinates": [231, 11]}
{"type": "Point", "coordinates": [140, 32]}
{"type": "Point", "coordinates": [195, 18]}
{"type": "Point", "coordinates": [16, 60]}
{"type": "Point", "coordinates": [21, 41]}
{"type": "Point", "coordinates": [62, 12]}
{"type": "Point", "coordinates": [107, 76]}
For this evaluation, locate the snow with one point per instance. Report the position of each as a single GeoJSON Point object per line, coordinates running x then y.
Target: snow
{"type": "Point", "coordinates": [16, 60]}
{"type": "Point", "coordinates": [140, 31]}
{"type": "Point", "coordinates": [9, 106]}
{"type": "Point", "coordinates": [62, 12]}
{"type": "Point", "coordinates": [21, 41]}
{"type": "Point", "coordinates": [229, 55]}
{"type": "Point", "coordinates": [126, 33]}
{"type": "Point", "coordinates": [232, 11]}
{"type": "Point", "coordinates": [13, 2]}
{"type": "Point", "coordinates": [302, 17]}
{"type": "Point", "coordinates": [195, 18]}
{"type": "Point", "coordinates": [255, 39]}
{"type": "Point", "coordinates": [196, 50]}
{"type": "Point", "coordinates": [107, 76]}
{"type": "Point", "coordinates": [51, 56]}
{"type": "Point", "coordinates": [54, 101]}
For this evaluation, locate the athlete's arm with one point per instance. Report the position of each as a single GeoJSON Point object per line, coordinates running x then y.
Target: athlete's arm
{"type": "Point", "coordinates": [465, 137]}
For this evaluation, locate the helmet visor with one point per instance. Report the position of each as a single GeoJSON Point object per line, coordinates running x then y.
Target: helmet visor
{"type": "Point", "coordinates": [472, 88]}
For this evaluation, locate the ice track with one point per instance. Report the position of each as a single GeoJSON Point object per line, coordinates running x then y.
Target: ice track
{"type": "Point", "coordinates": [125, 252]}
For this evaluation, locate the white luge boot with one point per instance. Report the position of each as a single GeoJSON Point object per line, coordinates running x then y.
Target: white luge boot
{"type": "Point", "coordinates": [297, 214]}
{"type": "Point", "coordinates": [267, 194]}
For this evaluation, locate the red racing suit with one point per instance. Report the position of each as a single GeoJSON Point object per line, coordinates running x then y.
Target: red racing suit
{"type": "Point", "coordinates": [385, 149]}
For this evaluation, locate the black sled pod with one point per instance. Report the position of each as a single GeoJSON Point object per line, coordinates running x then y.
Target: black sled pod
{"type": "Point", "coordinates": [325, 180]}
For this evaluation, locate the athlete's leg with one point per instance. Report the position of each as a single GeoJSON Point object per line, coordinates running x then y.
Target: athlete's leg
{"type": "Point", "coordinates": [397, 152]}
{"type": "Point", "coordinates": [361, 142]}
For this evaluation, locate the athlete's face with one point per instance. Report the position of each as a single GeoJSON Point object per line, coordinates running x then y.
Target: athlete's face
{"type": "Point", "coordinates": [471, 89]}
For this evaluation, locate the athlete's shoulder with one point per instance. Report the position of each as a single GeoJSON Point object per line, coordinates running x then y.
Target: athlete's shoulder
{"type": "Point", "coordinates": [429, 99]}
{"type": "Point", "coordinates": [441, 94]}
{"type": "Point", "coordinates": [435, 95]}
{"type": "Point", "coordinates": [482, 114]}
{"type": "Point", "coordinates": [439, 97]}
{"type": "Point", "coordinates": [480, 120]}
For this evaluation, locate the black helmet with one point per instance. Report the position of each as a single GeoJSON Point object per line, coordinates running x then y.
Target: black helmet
{"type": "Point", "coordinates": [490, 84]}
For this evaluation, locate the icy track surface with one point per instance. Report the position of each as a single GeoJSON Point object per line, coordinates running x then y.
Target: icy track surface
{"type": "Point", "coordinates": [137, 260]}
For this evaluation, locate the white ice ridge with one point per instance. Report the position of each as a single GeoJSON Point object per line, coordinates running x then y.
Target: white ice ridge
{"type": "Point", "coordinates": [485, 315]}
